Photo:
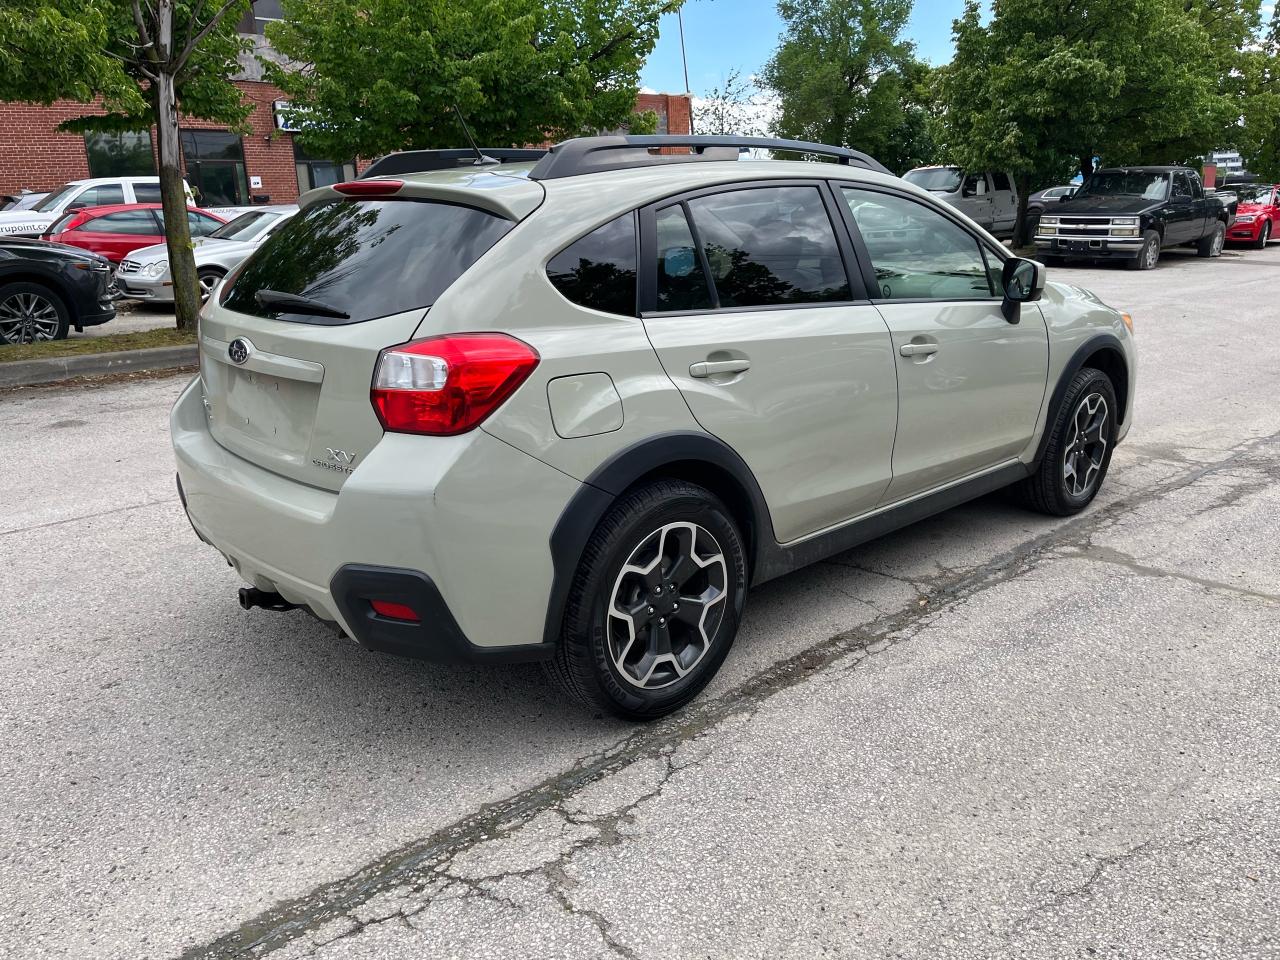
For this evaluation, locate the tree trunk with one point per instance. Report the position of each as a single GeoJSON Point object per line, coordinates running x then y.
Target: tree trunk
{"type": "Point", "coordinates": [1020, 237]}
{"type": "Point", "coordinates": [1086, 163]}
{"type": "Point", "coordinates": [173, 195]}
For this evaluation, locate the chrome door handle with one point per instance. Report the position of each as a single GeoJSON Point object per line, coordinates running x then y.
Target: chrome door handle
{"type": "Point", "coordinates": [709, 368]}
{"type": "Point", "coordinates": [917, 349]}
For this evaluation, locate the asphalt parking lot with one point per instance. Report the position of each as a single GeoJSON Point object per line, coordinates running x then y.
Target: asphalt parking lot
{"type": "Point", "coordinates": [991, 735]}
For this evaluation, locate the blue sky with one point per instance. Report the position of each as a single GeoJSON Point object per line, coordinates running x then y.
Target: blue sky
{"type": "Point", "coordinates": [723, 34]}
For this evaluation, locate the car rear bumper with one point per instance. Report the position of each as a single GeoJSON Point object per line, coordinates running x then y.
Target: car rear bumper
{"type": "Point", "coordinates": [457, 528]}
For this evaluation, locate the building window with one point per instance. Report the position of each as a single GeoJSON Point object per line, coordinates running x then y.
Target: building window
{"type": "Point", "coordinates": [314, 172]}
{"type": "Point", "coordinates": [215, 167]}
{"type": "Point", "coordinates": [125, 154]}
{"type": "Point", "coordinates": [259, 14]}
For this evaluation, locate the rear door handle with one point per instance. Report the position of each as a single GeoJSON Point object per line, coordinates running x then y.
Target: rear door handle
{"type": "Point", "coordinates": [917, 349]}
{"type": "Point", "coordinates": [709, 368]}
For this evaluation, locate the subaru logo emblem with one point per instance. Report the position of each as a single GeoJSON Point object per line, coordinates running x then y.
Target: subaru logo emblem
{"type": "Point", "coordinates": [238, 350]}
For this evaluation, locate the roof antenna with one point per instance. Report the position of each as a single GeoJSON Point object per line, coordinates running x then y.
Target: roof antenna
{"type": "Point", "coordinates": [481, 159]}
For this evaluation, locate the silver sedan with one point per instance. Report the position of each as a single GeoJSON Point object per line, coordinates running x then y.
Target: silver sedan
{"type": "Point", "coordinates": [144, 274]}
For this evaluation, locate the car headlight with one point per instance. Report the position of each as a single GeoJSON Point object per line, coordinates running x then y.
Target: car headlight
{"type": "Point", "coordinates": [1046, 231]}
{"type": "Point", "coordinates": [1246, 218]}
{"type": "Point", "coordinates": [156, 269]}
{"type": "Point", "coordinates": [1124, 231]}
{"type": "Point", "coordinates": [1048, 221]}
{"type": "Point", "coordinates": [1124, 221]}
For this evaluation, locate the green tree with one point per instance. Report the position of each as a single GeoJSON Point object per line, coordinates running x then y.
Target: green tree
{"type": "Point", "coordinates": [1258, 136]}
{"type": "Point", "coordinates": [385, 75]}
{"type": "Point", "coordinates": [1047, 85]}
{"type": "Point", "coordinates": [844, 75]}
{"type": "Point", "coordinates": [147, 61]}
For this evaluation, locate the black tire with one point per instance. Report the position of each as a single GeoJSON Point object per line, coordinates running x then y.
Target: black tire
{"type": "Point", "coordinates": [26, 301]}
{"type": "Point", "coordinates": [1211, 246]}
{"type": "Point", "coordinates": [208, 278]}
{"type": "Point", "coordinates": [592, 641]}
{"type": "Point", "coordinates": [1048, 490]}
{"type": "Point", "coordinates": [1263, 236]}
{"type": "Point", "coordinates": [1149, 255]}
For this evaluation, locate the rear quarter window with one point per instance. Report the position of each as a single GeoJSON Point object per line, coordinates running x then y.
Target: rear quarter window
{"type": "Point", "coordinates": [599, 270]}
{"type": "Point", "coordinates": [366, 258]}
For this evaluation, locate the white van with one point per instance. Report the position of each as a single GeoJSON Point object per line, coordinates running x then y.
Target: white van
{"type": "Point", "coordinates": [96, 192]}
{"type": "Point", "coordinates": [989, 198]}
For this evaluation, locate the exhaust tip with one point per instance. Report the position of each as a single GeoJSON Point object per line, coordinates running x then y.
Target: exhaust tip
{"type": "Point", "coordinates": [251, 597]}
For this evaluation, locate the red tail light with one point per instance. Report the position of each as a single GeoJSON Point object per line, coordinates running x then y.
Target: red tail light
{"type": "Point", "coordinates": [395, 611]}
{"type": "Point", "coordinates": [369, 188]}
{"type": "Point", "coordinates": [448, 385]}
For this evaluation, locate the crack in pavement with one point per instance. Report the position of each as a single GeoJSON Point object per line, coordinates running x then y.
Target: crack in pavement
{"type": "Point", "coordinates": [1118, 558]}
{"type": "Point", "coordinates": [88, 516]}
{"type": "Point", "coordinates": [418, 863]}
{"type": "Point", "coordinates": [1101, 865]}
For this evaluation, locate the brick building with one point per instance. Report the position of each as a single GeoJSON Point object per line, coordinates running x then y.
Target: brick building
{"type": "Point", "coordinates": [265, 165]}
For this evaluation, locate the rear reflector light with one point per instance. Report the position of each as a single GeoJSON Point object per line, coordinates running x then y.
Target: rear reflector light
{"type": "Point", "coordinates": [448, 385]}
{"type": "Point", "coordinates": [369, 188]}
{"type": "Point", "coordinates": [396, 611]}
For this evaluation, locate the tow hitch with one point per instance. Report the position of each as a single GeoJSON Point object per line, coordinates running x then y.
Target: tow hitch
{"type": "Point", "coordinates": [251, 597]}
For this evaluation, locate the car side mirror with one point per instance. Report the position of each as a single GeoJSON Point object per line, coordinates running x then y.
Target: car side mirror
{"type": "Point", "coordinates": [1065, 197]}
{"type": "Point", "coordinates": [1023, 282]}
{"type": "Point", "coordinates": [76, 205]}
{"type": "Point", "coordinates": [968, 191]}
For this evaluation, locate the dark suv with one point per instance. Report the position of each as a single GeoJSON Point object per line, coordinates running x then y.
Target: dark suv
{"type": "Point", "coordinates": [47, 288]}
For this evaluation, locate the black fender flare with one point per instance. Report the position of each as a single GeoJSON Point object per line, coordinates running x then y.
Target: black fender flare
{"type": "Point", "coordinates": [612, 478]}
{"type": "Point", "coordinates": [1101, 341]}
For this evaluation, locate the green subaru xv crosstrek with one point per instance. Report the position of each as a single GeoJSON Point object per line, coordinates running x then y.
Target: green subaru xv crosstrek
{"type": "Point", "coordinates": [569, 409]}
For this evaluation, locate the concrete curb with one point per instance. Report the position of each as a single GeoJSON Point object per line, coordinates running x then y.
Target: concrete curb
{"type": "Point", "coordinates": [21, 373]}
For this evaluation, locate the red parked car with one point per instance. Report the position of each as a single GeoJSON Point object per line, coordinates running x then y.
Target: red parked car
{"type": "Point", "coordinates": [117, 230]}
{"type": "Point", "coordinates": [1258, 215]}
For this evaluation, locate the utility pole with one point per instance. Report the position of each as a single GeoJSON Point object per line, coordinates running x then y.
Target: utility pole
{"type": "Point", "coordinates": [684, 60]}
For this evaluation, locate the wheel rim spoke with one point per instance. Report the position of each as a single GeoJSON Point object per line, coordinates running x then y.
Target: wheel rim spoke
{"type": "Point", "coordinates": [1086, 447]}
{"type": "Point", "coordinates": [667, 604]}
{"type": "Point", "coordinates": [27, 317]}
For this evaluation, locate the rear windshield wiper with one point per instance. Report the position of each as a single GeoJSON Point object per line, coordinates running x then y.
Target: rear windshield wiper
{"type": "Point", "coordinates": [296, 303]}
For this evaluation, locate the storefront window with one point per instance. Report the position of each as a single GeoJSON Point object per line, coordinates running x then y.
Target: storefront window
{"type": "Point", "coordinates": [314, 172]}
{"type": "Point", "coordinates": [125, 154]}
{"type": "Point", "coordinates": [215, 167]}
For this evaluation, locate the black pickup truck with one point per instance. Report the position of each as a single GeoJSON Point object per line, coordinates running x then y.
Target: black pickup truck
{"type": "Point", "coordinates": [1131, 213]}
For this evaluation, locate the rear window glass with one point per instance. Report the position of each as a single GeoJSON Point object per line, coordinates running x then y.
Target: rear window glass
{"type": "Point", "coordinates": [365, 258]}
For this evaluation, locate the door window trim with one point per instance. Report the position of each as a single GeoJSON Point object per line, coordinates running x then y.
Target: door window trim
{"type": "Point", "coordinates": [648, 276]}
{"type": "Point", "coordinates": [864, 255]}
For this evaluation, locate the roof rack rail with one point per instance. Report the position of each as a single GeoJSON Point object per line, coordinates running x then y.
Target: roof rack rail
{"type": "Point", "coordinates": [420, 161]}
{"type": "Point", "coordinates": [594, 154]}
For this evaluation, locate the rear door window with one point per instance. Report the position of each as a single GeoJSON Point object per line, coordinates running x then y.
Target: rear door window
{"type": "Point", "coordinates": [138, 223]}
{"type": "Point", "coordinates": [146, 192]}
{"type": "Point", "coordinates": [102, 195]}
{"type": "Point", "coordinates": [682, 283]}
{"type": "Point", "coordinates": [365, 258]}
{"type": "Point", "coordinates": [599, 270]}
{"type": "Point", "coordinates": [768, 246]}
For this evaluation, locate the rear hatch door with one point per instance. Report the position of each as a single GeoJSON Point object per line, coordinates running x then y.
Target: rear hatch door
{"type": "Point", "coordinates": [287, 355]}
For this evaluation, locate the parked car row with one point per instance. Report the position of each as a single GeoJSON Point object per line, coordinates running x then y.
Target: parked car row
{"type": "Point", "coordinates": [86, 256]}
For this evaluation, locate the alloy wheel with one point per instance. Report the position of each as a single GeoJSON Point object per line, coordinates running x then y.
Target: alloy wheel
{"type": "Point", "coordinates": [27, 318]}
{"type": "Point", "coordinates": [207, 282]}
{"type": "Point", "coordinates": [1086, 447]}
{"type": "Point", "coordinates": [1219, 238]}
{"type": "Point", "coordinates": [1151, 253]}
{"type": "Point", "coordinates": [667, 603]}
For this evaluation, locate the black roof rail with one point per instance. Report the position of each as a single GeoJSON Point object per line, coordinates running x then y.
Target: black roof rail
{"type": "Point", "coordinates": [420, 161]}
{"type": "Point", "coordinates": [594, 154]}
